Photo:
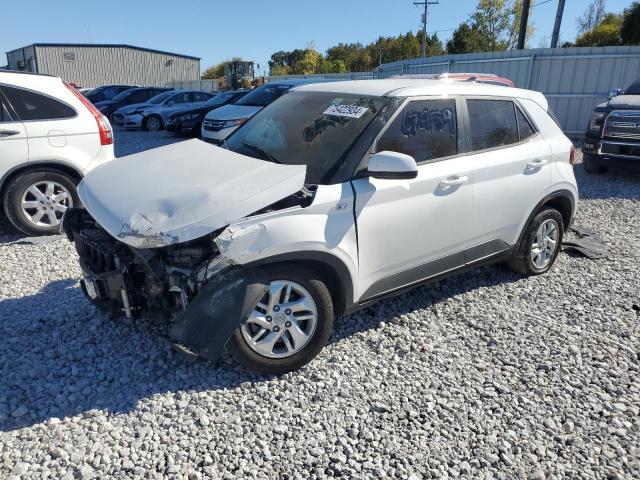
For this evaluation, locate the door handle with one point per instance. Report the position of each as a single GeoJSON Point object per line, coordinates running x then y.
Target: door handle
{"type": "Point", "coordinates": [8, 133]}
{"type": "Point", "coordinates": [454, 181]}
{"type": "Point", "coordinates": [537, 163]}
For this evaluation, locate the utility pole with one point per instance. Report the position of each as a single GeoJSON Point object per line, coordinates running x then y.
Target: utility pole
{"type": "Point", "coordinates": [526, 4]}
{"type": "Point", "coordinates": [426, 3]}
{"type": "Point", "coordinates": [556, 26]}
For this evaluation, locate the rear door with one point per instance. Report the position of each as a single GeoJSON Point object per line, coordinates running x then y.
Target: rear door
{"type": "Point", "coordinates": [14, 146]}
{"type": "Point", "coordinates": [409, 230]}
{"type": "Point", "coordinates": [512, 170]}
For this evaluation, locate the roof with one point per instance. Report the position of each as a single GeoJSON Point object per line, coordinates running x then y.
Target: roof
{"type": "Point", "coordinates": [299, 81]}
{"type": "Point", "coordinates": [413, 87]}
{"type": "Point", "coordinates": [104, 45]}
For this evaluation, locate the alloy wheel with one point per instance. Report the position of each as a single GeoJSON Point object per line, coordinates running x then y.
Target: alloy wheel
{"type": "Point", "coordinates": [282, 322]}
{"type": "Point", "coordinates": [545, 244]}
{"type": "Point", "coordinates": [44, 203]}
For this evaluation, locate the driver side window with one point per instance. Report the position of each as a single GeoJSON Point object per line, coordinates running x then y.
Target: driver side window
{"type": "Point", "coordinates": [425, 129]}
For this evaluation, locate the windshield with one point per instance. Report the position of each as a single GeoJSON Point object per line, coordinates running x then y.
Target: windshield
{"type": "Point", "coordinates": [123, 95]}
{"type": "Point", "coordinates": [315, 129]}
{"type": "Point", "coordinates": [634, 88]}
{"type": "Point", "coordinates": [220, 98]}
{"type": "Point", "coordinates": [263, 96]}
{"type": "Point", "coordinates": [160, 98]}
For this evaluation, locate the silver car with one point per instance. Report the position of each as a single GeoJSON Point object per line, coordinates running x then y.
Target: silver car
{"type": "Point", "coordinates": [153, 114]}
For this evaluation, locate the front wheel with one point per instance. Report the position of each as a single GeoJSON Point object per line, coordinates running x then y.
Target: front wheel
{"type": "Point", "coordinates": [540, 244]}
{"type": "Point", "coordinates": [36, 201]}
{"type": "Point", "coordinates": [289, 325]}
{"type": "Point", "coordinates": [153, 123]}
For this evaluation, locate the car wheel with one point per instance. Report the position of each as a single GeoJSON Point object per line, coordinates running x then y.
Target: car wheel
{"type": "Point", "coordinates": [289, 325]}
{"type": "Point", "coordinates": [591, 164]}
{"type": "Point", "coordinates": [153, 123]}
{"type": "Point", "coordinates": [36, 201]}
{"type": "Point", "coordinates": [539, 245]}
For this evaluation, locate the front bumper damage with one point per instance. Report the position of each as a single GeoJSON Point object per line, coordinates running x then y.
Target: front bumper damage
{"type": "Point", "coordinates": [203, 297]}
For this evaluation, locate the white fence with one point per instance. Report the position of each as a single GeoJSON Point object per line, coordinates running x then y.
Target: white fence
{"type": "Point", "coordinates": [573, 79]}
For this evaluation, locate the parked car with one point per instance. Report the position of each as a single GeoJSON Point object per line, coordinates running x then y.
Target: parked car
{"type": "Point", "coordinates": [612, 138]}
{"type": "Point", "coordinates": [189, 119]}
{"type": "Point", "coordinates": [486, 78]}
{"type": "Point", "coordinates": [50, 136]}
{"type": "Point", "coordinates": [133, 96]}
{"type": "Point", "coordinates": [331, 198]}
{"type": "Point", "coordinates": [222, 122]}
{"type": "Point", "coordinates": [153, 114]}
{"type": "Point", "coordinates": [106, 92]}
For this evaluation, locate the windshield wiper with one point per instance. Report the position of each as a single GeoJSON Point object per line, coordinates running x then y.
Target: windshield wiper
{"type": "Point", "coordinates": [261, 151]}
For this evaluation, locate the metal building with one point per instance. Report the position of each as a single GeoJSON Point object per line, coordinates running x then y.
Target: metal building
{"type": "Point", "coordinates": [90, 65]}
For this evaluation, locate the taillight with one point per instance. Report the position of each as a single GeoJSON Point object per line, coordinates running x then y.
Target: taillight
{"type": "Point", "coordinates": [572, 155]}
{"type": "Point", "coordinates": [106, 134]}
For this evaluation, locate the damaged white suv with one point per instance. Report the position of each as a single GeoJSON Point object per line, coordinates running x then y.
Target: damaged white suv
{"type": "Point", "coordinates": [333, 197]}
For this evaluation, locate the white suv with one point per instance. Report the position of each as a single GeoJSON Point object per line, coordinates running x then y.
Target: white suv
{"type": "Point", "coordinates": [333, 197]}
{"type": "Point", "coordinates": [50, 136]}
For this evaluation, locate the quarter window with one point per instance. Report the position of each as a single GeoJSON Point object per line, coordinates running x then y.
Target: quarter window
{"type": "Point", "coordinates": [4, 113]}
{"type": "Point", "coordinates": [493, 123]}
{"type": "Point", "coordinates": [33, 106]}
{"type": "Point", "coordinates": [424, 129]}
{"type": "Point", "coordinates": [524, 126]}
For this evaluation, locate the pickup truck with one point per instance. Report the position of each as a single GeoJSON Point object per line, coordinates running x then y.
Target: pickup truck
{"type": "Point", "coordinates": [613, 135]}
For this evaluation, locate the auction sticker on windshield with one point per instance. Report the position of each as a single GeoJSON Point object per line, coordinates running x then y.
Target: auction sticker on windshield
{"type": "Point", "coordinates": [351, 111]}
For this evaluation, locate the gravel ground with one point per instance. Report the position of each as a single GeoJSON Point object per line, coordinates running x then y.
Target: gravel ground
{"type": "Point", "coordinates": [484, 375]}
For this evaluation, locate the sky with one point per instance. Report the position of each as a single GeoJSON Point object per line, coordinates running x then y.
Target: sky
{"type": "Point", "coordinates": [216, 30]}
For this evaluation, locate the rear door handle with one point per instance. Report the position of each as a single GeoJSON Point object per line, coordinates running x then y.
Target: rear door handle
{"type": "Point", "coordinates": [537, 163]}
{"type": "Point", "coordinates": [8, 133]}
{"type": "Point", "coordinates": [454, 181]}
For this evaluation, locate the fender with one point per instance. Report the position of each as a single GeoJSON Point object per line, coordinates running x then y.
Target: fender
{"type": "Point", "coordinates": [30, 165]}
{"type": "Point", "coordinates": [565, 194]}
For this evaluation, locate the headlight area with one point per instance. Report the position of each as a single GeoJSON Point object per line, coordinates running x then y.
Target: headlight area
{"type": "Point", "coordinates": [597, 119]}
{"type": "Point", "coordinates": [234, 123]}
{"type": "Point", "coordinates": [188, 117]}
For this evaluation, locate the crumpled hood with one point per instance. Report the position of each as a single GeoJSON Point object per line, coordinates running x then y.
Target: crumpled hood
{"type": "Point", "coordinates": [182, 191]}
{"type": "Point", "coordinates": [233, 112]}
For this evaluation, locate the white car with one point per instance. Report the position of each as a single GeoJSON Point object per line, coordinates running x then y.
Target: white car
{"type": "Point", "coordinates": [152, 115]}
{"type": "Point", "coordinates": [333, 197]}
{"type": "Point", "coordinates": [50, 136]}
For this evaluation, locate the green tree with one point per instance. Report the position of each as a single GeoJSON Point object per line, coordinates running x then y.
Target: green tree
{"type": "Point", "coordinates": [630, 30]}
{"type": "Point", "coordinates": [466, 39]}
{"type": "Point", "coordinates": [606, 33]}
{"type": "Point", "coordinates": [592, 17]}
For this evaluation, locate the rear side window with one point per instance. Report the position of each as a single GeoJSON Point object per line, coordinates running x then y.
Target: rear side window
{"type": "Point", "coordinates": [524, 126]}
{"type": "Point", "coordinates": [138, 96]}
{"type": "Point", "coordinates": [424, 129]}
{"type": "Point", "coordinates": [493, 123]}
{"type": "Point", "coordinates": [4, 112]}
{"type": "Point", "coordinates": [34, 106]}
{"type": "Point", "coordinates": [201, 96]}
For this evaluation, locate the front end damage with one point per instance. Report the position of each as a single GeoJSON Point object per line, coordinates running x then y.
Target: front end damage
{"type": "Point", "coordinates": [203, 294]}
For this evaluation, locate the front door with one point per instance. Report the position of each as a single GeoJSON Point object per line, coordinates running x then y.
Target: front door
{"type": "Point", "coordinates": [409, 230]}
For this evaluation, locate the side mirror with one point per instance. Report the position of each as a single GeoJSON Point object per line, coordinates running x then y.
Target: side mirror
{"type": "Point", "coordinates": [392, 166]}
{"type": "Point", "coordinates": [614, 93]}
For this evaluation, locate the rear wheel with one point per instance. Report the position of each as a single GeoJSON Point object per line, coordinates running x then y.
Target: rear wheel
{"type": "Point", "coordinates": [35, 202]}
{"type": "Point", "coordinates": [289, 325]}
{"type": "Point", "coordinates": [591, 164]}
{"type": "Point", "coordinates": [540, 244]}
{"type": "Point", "coordinates": [153, 123]}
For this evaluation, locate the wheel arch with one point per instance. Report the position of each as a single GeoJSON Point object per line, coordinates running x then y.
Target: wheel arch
{"type": "Point", "coordinates": [28, 167]}
{"type": "Point", "coordinates": [561, 200]}
{"type": "Point", "coordinates": [333, 272]}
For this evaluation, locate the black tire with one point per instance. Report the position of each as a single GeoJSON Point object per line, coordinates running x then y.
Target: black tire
{"type": "Point", "coordinates": [18, 186]}
{"type": "Point", "coordinates": [591, 164]}
{"type": "Point", "coordinates": [241, 351]}
{"type": "Point", "coordinates": [521, 261]}
{"type": "Point", "coordinates": [147, 123]}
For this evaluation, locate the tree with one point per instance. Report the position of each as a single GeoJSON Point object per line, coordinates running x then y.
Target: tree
{"type": "Point", "coordinates": [465, 39]}
{"type": "Point", "coordinates": [606, 33]}
{"type": "Point", "coordinates": [630, 30]}
{"type": "Point", "coordinates": [592, 16]}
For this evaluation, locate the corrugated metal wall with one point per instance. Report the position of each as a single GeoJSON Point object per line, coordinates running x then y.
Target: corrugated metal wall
{"type": "Point", "coordinates": [573, 79]}
{"type": "Point", "coordinates": [93, 66]}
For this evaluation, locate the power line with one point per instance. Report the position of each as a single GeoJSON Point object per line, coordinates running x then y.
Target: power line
{"type": "Point", "coordinates": [426, 3]}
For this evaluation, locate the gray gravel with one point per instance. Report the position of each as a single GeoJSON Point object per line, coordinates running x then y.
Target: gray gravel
{"type": "Point", "coordinates": [484, 375]}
